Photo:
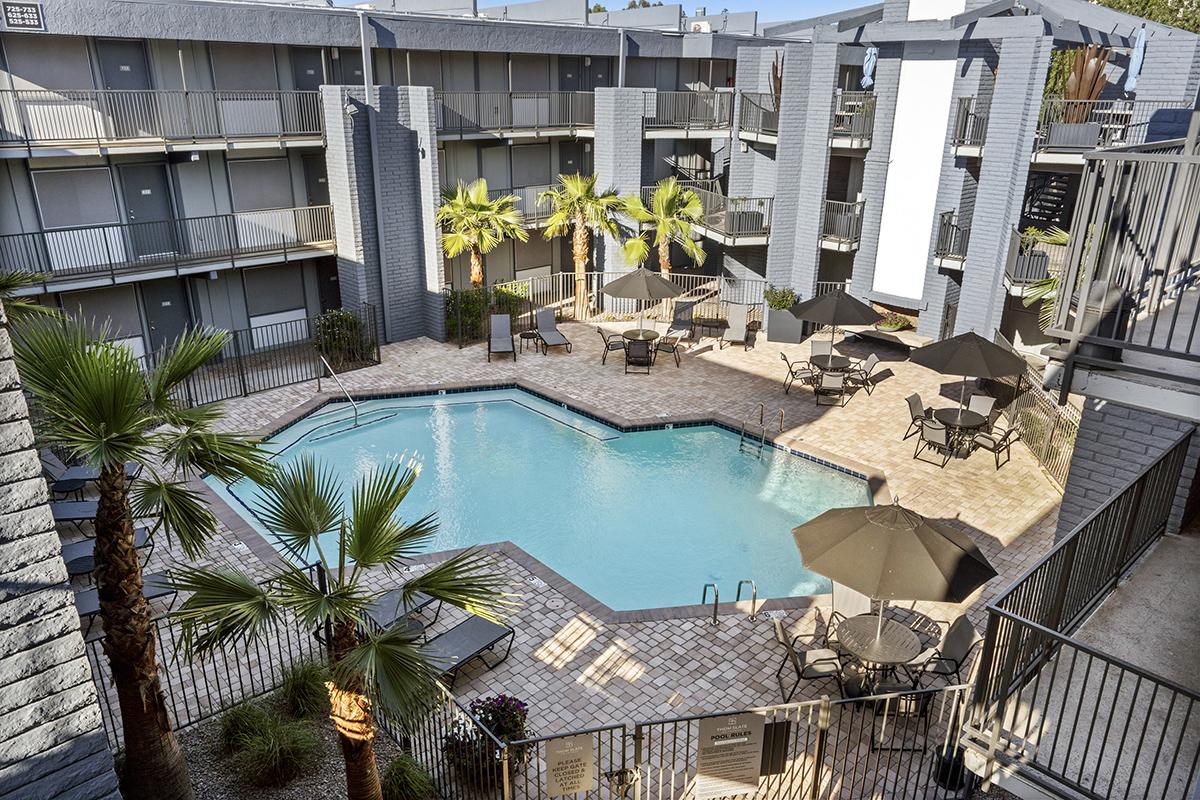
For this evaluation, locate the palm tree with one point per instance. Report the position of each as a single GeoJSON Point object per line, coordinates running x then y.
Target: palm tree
{"type": "Point", "coordinates": [95, 402]}
{"type": "Point", "coordinates": [16, 308]}
{"type": "Point", "coordinates": [475, 223]}
{"type": "Point", "coordinates": [672, 212]}
{"type": "Point", "coordinates": [576, 206]}
{"type": "Point", "coordinates": [389, 669]}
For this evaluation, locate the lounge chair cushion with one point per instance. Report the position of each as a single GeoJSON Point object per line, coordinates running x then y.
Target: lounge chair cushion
{"type": "Point", "coordinates": [389, 608]}
{"type": "Point", "coordinates": [464, 642]}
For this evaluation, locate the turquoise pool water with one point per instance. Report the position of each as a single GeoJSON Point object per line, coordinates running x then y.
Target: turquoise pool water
{"type": "Point", "coordinates": [637, 520]}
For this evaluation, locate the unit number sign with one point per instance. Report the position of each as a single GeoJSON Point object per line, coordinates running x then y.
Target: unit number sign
{"type": "Point", "coordinates": [22, 15]}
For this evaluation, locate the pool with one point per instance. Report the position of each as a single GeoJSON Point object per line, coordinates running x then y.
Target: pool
{"type": "Point", "coordinates": [636, 519]}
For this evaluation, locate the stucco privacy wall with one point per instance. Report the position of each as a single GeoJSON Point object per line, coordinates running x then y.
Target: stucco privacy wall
{"type": "Point", "coordinates": [52, 744]}
{"type": "Point", "coordinates": [409, 279]}
{"type": "Point", "coordinates": [1114, 444]}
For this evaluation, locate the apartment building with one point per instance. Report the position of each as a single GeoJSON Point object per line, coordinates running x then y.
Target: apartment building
{"type": "Point", "coordinates": [173, 163]}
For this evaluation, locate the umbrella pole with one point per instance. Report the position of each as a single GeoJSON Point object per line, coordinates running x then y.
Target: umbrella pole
{"type": "Point", "coordinates": [879, 627]}
{"type": "Point", "coordinates": [962, 395]}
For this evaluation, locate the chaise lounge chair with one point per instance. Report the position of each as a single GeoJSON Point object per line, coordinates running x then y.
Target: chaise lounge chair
{"type": "Point", "coordinates": [154, 586]}
{"type": "Point", "coordinates": [391, 608]}
{"type": "Point", "coordinates": [682, 320]}
{"type": "Point", "coordinates": [468, 640]}
{"type": "Point", "coordinates": [548, 332]}
{"type": "Point", "coordinates": [500, 338]}
{"type": "Point", "coordinates": [64, 480]}
{"type": "Point", "coordinates": [80, 558]}
{"type": "Point", "coordinates": [737, 327]}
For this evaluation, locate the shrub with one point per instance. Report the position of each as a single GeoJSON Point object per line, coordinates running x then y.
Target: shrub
{"type": "Point", "coordinates": [343, 339]}
{"type": "Point", "coordinates": [779, 299]}
{"type": "Point", "coordinates": [240, 721]}
{"type": "Point", "coordinates": [277, 752]}
{"type": "Point", "coordinates": [473, 754]}
{"type": "Point", "coordinates": [302, 689]}
{"type": "Point", "coordinates": [406, 779]}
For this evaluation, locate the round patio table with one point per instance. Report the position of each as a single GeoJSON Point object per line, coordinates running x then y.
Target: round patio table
{"type": "Point", "coordinates": [959, 418]}
{"type": "Point", "coordinates": [895, 645]}
{"type": "Point", "coordinates": [830, 363]}
{"type": "Point", "coordinates": [639, 335]}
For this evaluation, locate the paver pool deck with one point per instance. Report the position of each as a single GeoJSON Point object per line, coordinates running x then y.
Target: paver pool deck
{"type": "Point", "coordinates": [574, 667]}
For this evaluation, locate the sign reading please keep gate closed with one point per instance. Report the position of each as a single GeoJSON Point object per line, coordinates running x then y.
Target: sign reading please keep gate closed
{"type": "Point", "coordinates": [570, 765]}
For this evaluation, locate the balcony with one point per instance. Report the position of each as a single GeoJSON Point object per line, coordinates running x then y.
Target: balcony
{"type": "Point", "coordinates": [1032, 264]}
{"type": "Point", "coordinates": [733, 221]}
{"type": "Point", "coordinates": [99, 255]}
{"type": "Point", "coordinates": [758, 118]}
{"type": "Point", "coordinates": [841, 226]}
{"type": "Point", "coordinates": [99, 122]}
{"type": "Point", "coordinates": [1068, 128]}
{"type": "Point", "coordinates": [514, 115]}
{"type": "Point", "coordinates": [535, 213]}
{"type": "Point", "coordinates": [687, 115]}
{"type": "Point", "coordinates": [1128, 329]}
{"type": "Point", "coordinates": [954, 236]}
{"type": "Point", "coordinates": [1079, 692]}
{"type": "Point", "coordinates": [853, 120]}
{"type": "Point", "coordinates": [970, 127]}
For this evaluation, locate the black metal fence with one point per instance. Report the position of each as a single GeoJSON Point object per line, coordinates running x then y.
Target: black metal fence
{"type": "Point", "coordinates": [1067, 713]}
{"type": "Point", "coordinates": [280, 354]}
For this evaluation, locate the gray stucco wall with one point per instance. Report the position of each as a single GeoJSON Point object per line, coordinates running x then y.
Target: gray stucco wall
{"type": "Point", "coordinates": [52, 744]}
{"type": "Point", "coordinates": [617, 156]}
{"type": "Point", "coordinates": [1115, 443]}
{"type": "Point", "coordinates": [409, 278]}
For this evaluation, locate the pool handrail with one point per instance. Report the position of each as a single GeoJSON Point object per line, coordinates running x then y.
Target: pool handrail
{"type": "Point", "coordinates": [341, 386]}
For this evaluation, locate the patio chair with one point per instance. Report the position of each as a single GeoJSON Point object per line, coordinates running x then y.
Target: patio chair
{"type": "Point", "coordinates": [500, 338]}
{"type": "Point", "coordinates": [832, 384]}
{"type": "Point", "coordinates": [948, 659]}
{"type": "Point", "coordinates": [934, 437]}
{"type": "Point", "coordinates": [612, 341]}
{"type": "Point", "coordinates": [860, 373]}
{"type": "Point", "coordinates": [451, 650]}
{"type": "Point", "coordinates": [820, 347]}
{"type": "Point", "coordinates": [817, 662]}
{"type": "Point", "coordinates": [737, 330]}
{"type": "Point", "coordinates": [548, 332]}
{"type": "Point", "coordinates": [981, 404]}
{"type": "Point", "coordinates": [847, 603]}
{"type": "Point", "coordinates": [800, 371]}
{"type": "Point", "coordinates": [638, 356]}
{"type": "Point", "coordinates": [998, 441]}
{"type": "Point", "coordinates": [919, 413]}
{"type": "Point", "coordinates": [682, 320]}
{"type": "Point", "coordinates": [671, 343]}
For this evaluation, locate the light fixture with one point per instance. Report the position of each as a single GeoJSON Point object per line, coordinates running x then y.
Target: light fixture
{"type": "Point", "coordinates": [350, 109]}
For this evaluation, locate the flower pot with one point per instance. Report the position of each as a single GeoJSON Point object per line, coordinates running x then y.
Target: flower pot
{"type": "Point", "coordinates": [783, 327]}
{"type": "Point", "coordinates": [889, 328]}
{"type": "Point", "coordinates": [948, 769]}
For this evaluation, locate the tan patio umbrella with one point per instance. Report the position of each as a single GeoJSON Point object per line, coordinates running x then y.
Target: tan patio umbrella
{"type": "Point", "coordinates": [642, 284]}
{"type": "Point", "coordinates": [891, 553]}
{"type": "Point", "coordinates": [969, 355]}
{"type": "Point", "coordinates": [833, 309]}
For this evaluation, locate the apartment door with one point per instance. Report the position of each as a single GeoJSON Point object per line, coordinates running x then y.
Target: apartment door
{"type": "Point", "coordinates": [316, 184]}
{"type": "Point", "coordinates": [131, 112]}
{"type": "Point", "coordinates": [570, 78]}
{"type": "Point", "coordinates": [148, 209]}
{"type": "Point", "coordinates": [167, 316]}
{"type": "Point", "coordinates": [308, 69]}
{"type": "Point", "coordinates": [328, 291]}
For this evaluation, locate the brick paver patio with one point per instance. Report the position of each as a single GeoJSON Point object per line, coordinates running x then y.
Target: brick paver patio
{"type": "Point", "coordinates": [576, 669]}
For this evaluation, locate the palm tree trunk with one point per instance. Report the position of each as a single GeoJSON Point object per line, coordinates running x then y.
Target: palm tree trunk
{"type": "Point", "coordinates": [350, 711]}
{"type": "Point", "coordinates": [664, 267]}
{"type": "Point", "coordinates": [579, 252]}
{"type": "Point", "coordinates": [155, 768]}
{"type": "Point", "coordinates": [476, 267]}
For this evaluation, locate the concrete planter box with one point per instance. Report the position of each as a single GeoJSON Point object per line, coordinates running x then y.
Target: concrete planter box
{"type": "Point", "coordinates": [784, 328]}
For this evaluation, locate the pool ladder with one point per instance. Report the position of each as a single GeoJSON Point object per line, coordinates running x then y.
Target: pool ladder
{"type": "Point", "coordinates": [748, 440]}
{"type": "Point", "coordinates": [737, 599]}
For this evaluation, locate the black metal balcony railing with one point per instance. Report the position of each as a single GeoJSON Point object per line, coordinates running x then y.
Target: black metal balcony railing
{"type": "Point", "coordinates": [953, 237]}
{"type": "Point", "coordinates": [1080, 125]}
{"type": "Point", "coordinates": [496, 112]}
{"type": "Point", "coordinates": [730, 217]}
{"type": "Point", "coordinates": [128, 247]}
{"type": "Point", "coordinates": [759, 113]}
{"type": "Point", "coordinates": [1066, 714]}
{"type": "Point", "coordinates": [64, 117]}
{"type": "Point", "coordinates": [1132, 268]}
{"type": "Point", "coordinates": [853, 116]}
{"type": "Point", "coordinates": [970, 122]}
{"type": "Point", "coordinates": [842, 222]}
{"type": "Point", "coordinates": [1036, 263]}
{"type": "Point", "coordinates": [687, 110]}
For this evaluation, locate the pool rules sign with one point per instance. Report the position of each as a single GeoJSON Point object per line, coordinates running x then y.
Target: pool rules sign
{"type": "Point", "coordinates": [570, 765]}
{"type": "Point", "coordinates": [729, 755]}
